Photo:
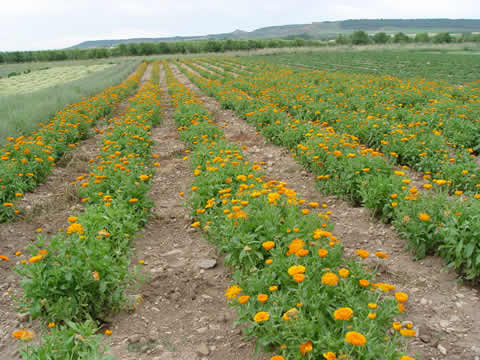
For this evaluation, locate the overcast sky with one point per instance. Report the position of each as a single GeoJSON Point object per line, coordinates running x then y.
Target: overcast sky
{"type": "Point", "coordinates": [50, 24]}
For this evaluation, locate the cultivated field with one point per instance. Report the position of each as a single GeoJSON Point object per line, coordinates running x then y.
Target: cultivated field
{"type": "Point", "coordinates": [342, 191]}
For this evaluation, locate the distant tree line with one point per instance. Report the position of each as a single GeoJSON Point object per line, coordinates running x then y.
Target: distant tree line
{"type": "Point", "coordinates": [458, 25]}
{"type": "Point", "coordinates": [360, 37]}
{"type": "Point", "coordinates": [155, 48]}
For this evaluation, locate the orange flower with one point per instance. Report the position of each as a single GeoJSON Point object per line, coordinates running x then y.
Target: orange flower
{"type": "Point", "coordinates": [277, 357]}
{"type": "Point", "coordinates": [396, 325]}
{"type": "Point", "coordinates": [364, 282]}
{"type": "Point", "coordinates": [261, 316]}
{"type": "Point", "coordinates": [343, 273]}
{"type": "Point", "coordinates": [35, 259]}
{"type": "Point", "coordinates": [344, 313]}
{"type": "Point", "coordinates": [381, 255]}
{"type": "Point", "coordinates": [267, 245]}
{"type": "Point", "coordinates": [291, 314]}
{"type": "Point", "coordinates": [296, 269]}
{"type": "Point", "coordinates": [24, 335]}
{"type": "Point", "coordinates": [372, 315]}
{"type": "Point", "coordinates": [96, 275]}
{"type": "Point", "coordinates": [298, 278]}
{"type": "Point", "coordinates": [262, 298]}
{"type": "Point", "coordinates": [108, 332]}
{"type": "Point", "coordinates": [405, 357]}
{"type": "Point", "coordinates": [243, 299]}
{"type": "Point", "coordinates": [362, 253]}
{"type": "Point", "coordinates": [407, 332]}
{"type": "Point", "coordinates": [51, 325]}
{"type": "Point", "coordinates": [3, 257]}
{"type": "Point", "coordinates": [330, 279]}
{"type": "Point", "coordinates": [132, 201]}
{"type": "Point", "coordinates": [306, 347]}
{"type": "Point", "coordinates": [355, 338]}
{"type": "Point", "coordinates": [424, 217]}
{"type": "Point", "coordinates": [233, 291]}
{"type": "Point", "coordinates": [330, 356]}
{"type": "Point", "coordinates": [401, 297]}
{"type": "Point", "coordinates": [322, 252]}
{"type": "Point", "coordinates": [72, 219]}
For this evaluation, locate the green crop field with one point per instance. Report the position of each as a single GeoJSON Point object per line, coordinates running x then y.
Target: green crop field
{"type": "Point", "coordinates": [453, 67]}
{"type": "Point", "coordinates": [40, 79]}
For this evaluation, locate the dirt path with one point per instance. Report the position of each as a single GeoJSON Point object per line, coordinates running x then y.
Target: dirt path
{"type": "Point", "coordinates": [47, 208]}
{"type": "Point", "coordinates": [444, 312]}
{"type": "Point", "coordinates": [184, 314]}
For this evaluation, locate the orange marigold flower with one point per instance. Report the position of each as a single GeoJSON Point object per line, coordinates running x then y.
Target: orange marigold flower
{"type": "Point", "coordinates": [261, 316]}
{"type": "Point", "coordinates": [262, 298]}
{"type": "Point", "coordinates": [396, 325]}
{"type": "Point", "coordinates": [243, 299]}
{"type": "Point", "coordinates": [381, 255]}
{"type": "Point", "coordinates": [372, 305]}
{"type": "Point", "coordinates": [196, 224]}
{"type": "Point", "coordinates": [362, 253]}
{"type": "Point", "coordinates": [330, 278]}
{"type": "Point", "coordinates": [306, 347]}
{"type": "Point", "coordinates": [72, 219]}
{"type": "Point", "coordinates": [405, 357]}
{"type": "Point", "coordinates": [35, 259]}
{"type": "Point", "coordinates": [296, 269]}
{"type": "Point", "coordinates": [344, 313]}
{"type": "Point", "coordinates": [75, 228]}
{"type": "Point", "coordinates": [267, 245]}
{"type": "Point", "coordinates": [407, 332]}
{"type": "Point", "coordinates": [24, 335]}
{"type": "Point", "coordinates": [233, 291]}
{"type": "Point", "coordinates": [3, 257]}
{"type": "Point", "coordinates": [277, 357]}
{"type": "Point", "coordinates": [96, 275]}
{"type": "Point", "coordinates": [364, 282]}
{"type": "Point", "coordinates": [291, 314]}
{"type": "Point", "coordinates": [355, 338]}
{"type": "Point", "coordinates": [330, 356]}
{"type": "Point", "coordinates": [273, 288]}
{"type": "Point", "coordinates": [343, 273]}
{"type": "Point", "coordinates": [298, 278]}
{"type": "Point", "coordinates": [51, 325]}
{"type": "Point", "coordinates": [133, 200]}
{"type": "Point", "coordinates": [401, 297]}
{"type": "Point", "coordinates": [108, 332]}
{"type": "Point", "coordinates": [372, 315]}
{"type": "Point", "coordinates": [322, 252]}
{"type": "Point", "coordinates": [424, 217]}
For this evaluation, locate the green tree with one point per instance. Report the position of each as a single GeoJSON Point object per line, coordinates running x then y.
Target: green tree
{"type": "Point", "coordinates": [443, 38]}
{"type": "Point", "coordinates": [381, 38]}
{"type": "Point", "coordinates": [422, 38]}
{"type": "Point", "coordinates": [360, 37]}
{"type": "Point", "coordinates": [400, 37]}
{"type": "Point", "coordinates": [341, 39]}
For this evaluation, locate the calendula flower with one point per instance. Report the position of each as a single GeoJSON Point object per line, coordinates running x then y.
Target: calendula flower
{"type": "Point", "coordinates": [322, 252]}
{"type": "Point", "coordinates": [372, 315]}
{"type": "Point", "coordinates": [273, 288]}
{"type": "Point", "coordinates": [196, 224]}
{"type": "Point", "coordinates": [72, 219]}
{"type": "Point", "coordinates": [330, 279]}
{"type": "Point", "coordinates": [381, 255]}
{"type": "Point", "coordinates": [306, 348]}
{"type": "Point", "coordinates": [75, 228]}
{"type": "Point", "coordinates": [343, 273]}
{"type": "Point", "coordinates": [344, 313]}
{"type": "Point", "coordinates": [330, 356]}
{"type": "Point", "coordinates": [296, 269]}
{"type": "Point", "coordinates": [407, 332]}
{"type": "Point", "coordinates": [291, 314]}
{"type": "Point", "coordinates": [96, 275]}
{"type": "Point", "coordinates": [261, 316]}
{"type": "Point", "coordinates": [355, 338]}
{"type": "Point", "coordinates": [401, 297]}
{"type": "Point", "coordinates": [3, 257]}
{"type": "Point", "coordinates": [396, 325]}
{"type": "Point", "coordinates": [298, 278]}
{"type": "Point", "coordinates": [243, 299]}
{"type": "Point", "coordinates": [424, 217]}
{"type": "Point", "coordinates": [405, 357]}
{"type": "Point", "coordinates": [24, 335]}
{"type": "Point", "coordinates": [51, 325]}
{"type": "Point", "coordinates": [133, 200]}
{"type": "Point", "coordinates": [362, 253]}
{"type": "Point", "coordinates": [108, 332]}
{"type": "Point", "coordinates": [233, 291]}
{"type": "Point", "coordinates": [267, 245]}
{"type": "Point", "coordinates": [35, 259]}
{"type": "Point", "coordinates": [262, 298]}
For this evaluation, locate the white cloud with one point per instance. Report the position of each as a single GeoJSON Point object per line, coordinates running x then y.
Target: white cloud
{"type": "Point", "coordinates": [40, 24]}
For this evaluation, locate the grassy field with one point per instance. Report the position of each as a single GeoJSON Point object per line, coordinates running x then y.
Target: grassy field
{"type": "Point", "coordinates": [40, 79]}
{"type": "Point", "coordinates": [455, 67]}
{"type": "Point", "coordinates": [21, 112]}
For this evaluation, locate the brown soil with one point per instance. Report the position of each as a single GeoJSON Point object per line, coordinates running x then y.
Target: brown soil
{"type": "Point", "coordinates": [184, 314]}
{"type": "Point", "coordinates": [47, 208]}
{"type": "Point", "coordinates": [444, 312]}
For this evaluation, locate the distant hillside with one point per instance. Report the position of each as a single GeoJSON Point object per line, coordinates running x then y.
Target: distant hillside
{"type": "Point", "coordinates": [324, 29]}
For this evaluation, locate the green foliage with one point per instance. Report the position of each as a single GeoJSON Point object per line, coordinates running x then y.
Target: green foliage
{"type": "Point", "coordinates": [381, 38]}
{"type": "Point", "coordinates": [360, 37]}
{"type": "Point", "coordinates": [72, 341]}
{"type": "Point", "coordinates": [422, 38]}
{"type": "Point", "coordinates": [400, 37]}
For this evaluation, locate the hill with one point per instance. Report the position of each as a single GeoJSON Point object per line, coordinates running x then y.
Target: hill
{"type": "Point", "coordinates": [317, 30]}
